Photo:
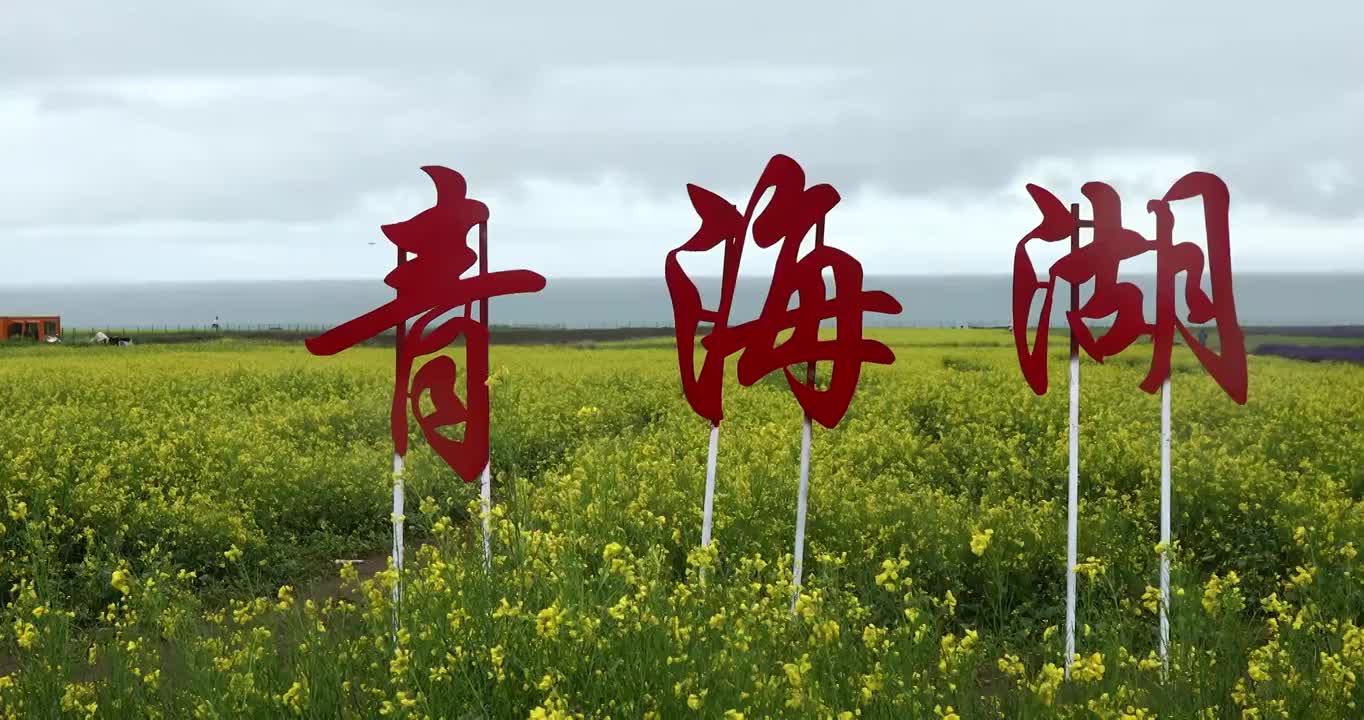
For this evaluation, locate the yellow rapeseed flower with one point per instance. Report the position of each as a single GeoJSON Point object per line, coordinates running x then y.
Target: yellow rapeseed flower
{"type": "Point", "coordinates": [286, 597]}
{"type": "Point", "coordinates": [980, 541]}
{"type": "Point", "coordinates": [1091, 568]}
{"type": "Point", "coordinates": [1048, 681]}
{"type": "Point", "coordinates": [120, 580]}
{"type": "Point", "coordinates": [872, 636]}
{"type": "Point", "coordinates": [1150, 599]}
{"type": "Point", "coordinates": [295, 698]}
{"type": "Point", "coordinates": [26, 634]}
{"type": "Point", "coordinates": [1012, 666]}
{"type": "Point", "coordinates": [1088, 669]}
{"type": "Point", "coordinates": [497, 655]}
{"type": "Point", "coordinates": [547, 621]}
{"type": "Point", "coordinates": [825, 632]}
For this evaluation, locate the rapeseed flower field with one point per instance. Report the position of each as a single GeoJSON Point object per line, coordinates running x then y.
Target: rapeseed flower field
{"type": "Point", "coordinates": [169, 518]}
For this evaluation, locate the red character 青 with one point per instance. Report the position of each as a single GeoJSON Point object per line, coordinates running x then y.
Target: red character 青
{"type": "Point", "coordinates": [1098, 262]}
{"type": "Point", "coordinates": [430, 284]}
{"type": "Point", "coordinates": [792, 212]}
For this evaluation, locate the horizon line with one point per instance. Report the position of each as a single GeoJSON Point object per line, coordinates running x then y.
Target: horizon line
{"type": "Point", "coordinates": [23, 285]}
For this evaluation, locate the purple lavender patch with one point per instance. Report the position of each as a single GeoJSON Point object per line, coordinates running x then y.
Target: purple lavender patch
{"type": "Point", "coordinates": [1315, 353]}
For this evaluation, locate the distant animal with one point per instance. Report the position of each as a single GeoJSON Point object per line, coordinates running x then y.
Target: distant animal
{"type": "Point", "coordinates": [103, 339]}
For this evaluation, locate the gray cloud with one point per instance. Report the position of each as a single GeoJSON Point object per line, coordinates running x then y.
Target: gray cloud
{"type": "Point", "coordinates": [296, 112]}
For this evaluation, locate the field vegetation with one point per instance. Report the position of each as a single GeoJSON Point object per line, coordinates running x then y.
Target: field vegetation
{"type": "Point", "coordinates": [170, 517]}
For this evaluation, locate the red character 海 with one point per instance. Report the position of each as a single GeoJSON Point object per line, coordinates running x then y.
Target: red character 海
{"type": "Point", "coordinates": [792, 212]}
{"type": "Point", "coordinates": [1098, 262]}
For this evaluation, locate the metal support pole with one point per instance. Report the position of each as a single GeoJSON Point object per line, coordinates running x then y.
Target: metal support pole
{"type": "Point", "coordinates": [1073, 484]}
{"type": "Point", "coordinates": [803, 493]}
{"type": "Point", "coordinates": [398, 469]}
{"type": "Point", "coordinates": [486, 481]}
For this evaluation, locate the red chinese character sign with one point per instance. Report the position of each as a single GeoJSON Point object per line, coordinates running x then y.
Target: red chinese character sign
{"type": "Point", "coordinates": [433, 257]}
{"type": "Point", "coordinates": [1097, 263]}
{"type": "Point", "coordinates": [792, 212]}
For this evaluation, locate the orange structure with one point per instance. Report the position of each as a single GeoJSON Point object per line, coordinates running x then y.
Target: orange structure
{"type": "Point", "coordinates": [29, 327]}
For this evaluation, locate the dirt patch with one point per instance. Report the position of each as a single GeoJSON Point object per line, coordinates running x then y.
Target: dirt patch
{"type": "Point", "coordinates": [366, 566]}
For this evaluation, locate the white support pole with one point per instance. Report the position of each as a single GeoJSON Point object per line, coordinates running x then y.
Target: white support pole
{"type": "Point", "coordinates": [486, 511]}
{"type": "Point", "coordinates": [397, 536]}
{"type": "Point", "coordinates": [486, 482]}
{"type": "Point", "coordinates": [1072, 508]}
{"type": "Point", "coordinates": [1073, 481]}
{"type": "Point", "coordinates": [1165, 524]}
{"type": "Point", "coordinates": [708, 507]}
{"type": "Point", "coordinates": [801, 500]}
{"type": "Point", "coordinates": [401, 370]}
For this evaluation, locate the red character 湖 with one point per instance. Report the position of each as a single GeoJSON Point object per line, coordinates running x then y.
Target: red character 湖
{"type": "Point", "coordinates": [1098, 262]}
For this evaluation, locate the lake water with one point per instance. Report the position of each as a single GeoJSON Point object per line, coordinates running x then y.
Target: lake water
{"type": "Point", "coordinates": [936, 301]}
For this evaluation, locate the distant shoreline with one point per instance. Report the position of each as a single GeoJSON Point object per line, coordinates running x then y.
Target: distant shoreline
{"type": "Point", "coordinates": [929, 301]}
{"type": "Point", "coordinates": [527, 335]}
{"type": "Point", "coordinates": [551, 279]}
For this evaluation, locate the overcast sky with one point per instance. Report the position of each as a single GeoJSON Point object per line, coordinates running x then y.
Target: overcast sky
{"type": "Point", "coordinates": [180, 140]}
